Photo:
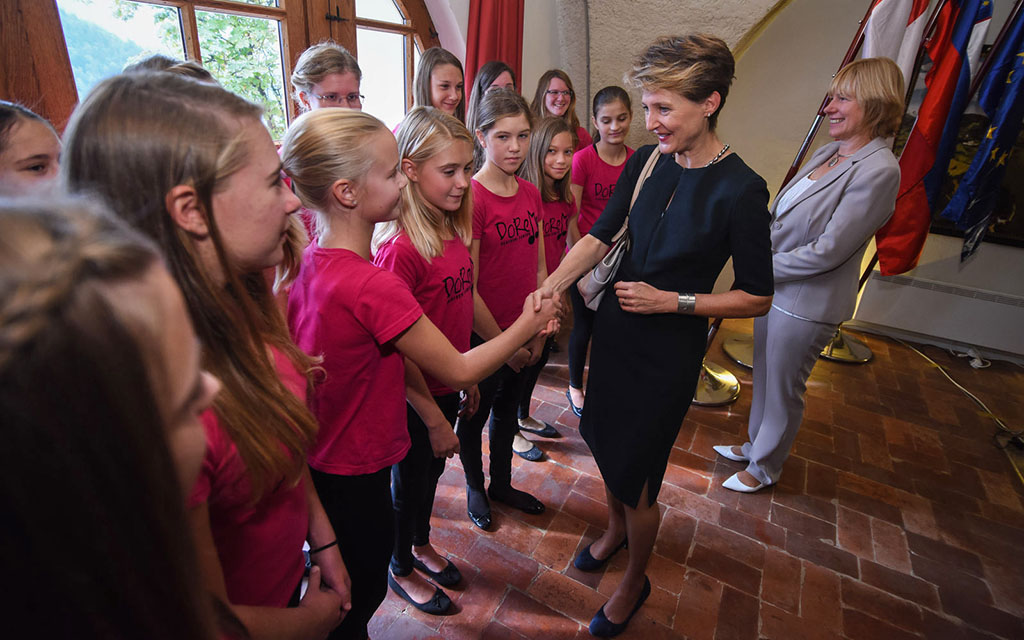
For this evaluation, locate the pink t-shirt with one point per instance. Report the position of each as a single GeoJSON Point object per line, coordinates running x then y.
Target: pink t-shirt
{"type": "Point", "coordinates": [556, 227]}
{"type": "Point", "coordinates": [345, 309]}
{"type": "Point", "coordinates": [583, 139]}
{"type": "Point", "coordinates": [443, 287]}
{"type": "Point", "coordinates": [598, 179]}
{"type": "Point", "coordinates": [507, 230]}
{"type": "Point", "coordinates": [259, 546]}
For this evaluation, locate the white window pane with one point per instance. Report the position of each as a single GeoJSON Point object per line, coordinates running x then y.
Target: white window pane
{"type": "Point", "coordinates": [382, 61]}
{"type": "Point", "coordinates": [103, 36]}
{"type": "Point", "coordinates": [244, 54]}
{"type": "Point", "coordinates": [385, 10]}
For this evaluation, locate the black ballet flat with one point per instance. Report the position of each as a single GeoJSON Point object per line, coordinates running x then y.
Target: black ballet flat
{"type": "Point", "coordinates": [576, 410]}
{"type": "Point", "coordinates": [481, 517]}
{"type": "Point", "coordinates": [585, 561]}
{"type": "Point", "coordinates": [447, 577]}
{"type": "Point", "coordinates": [436, 606]}
{"type": "Point", "coordinates": [517, 499]}
{"type": "Point", "coordinates": [602, 627]}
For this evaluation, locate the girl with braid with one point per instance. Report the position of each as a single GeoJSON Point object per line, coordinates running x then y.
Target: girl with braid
{"type": "Point", "coordinates": [217, 208]}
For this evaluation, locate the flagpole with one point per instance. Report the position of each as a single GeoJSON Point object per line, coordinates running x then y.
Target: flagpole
{"type": "Point", "coordinates": [858, 40]}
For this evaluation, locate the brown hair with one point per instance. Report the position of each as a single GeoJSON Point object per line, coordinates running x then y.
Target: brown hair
{"type": "Point", "coordinates": [432, 58]}
{"type": "Point", "coordinates": [11, 113]}
{"type": "Point", "coordinates": [694, 66]}
{"type": "Point", "coordinates": [539, 107]}
{"type": "Point", "coordinates": [877, 84]}
{"type": "Point", "coordinates": [96, 543]}
{"type": "Point", "coordinates": [533, 168]}
{"type": "Point", "coordinates": [319, 61]}
{"type": "Point", "coordinates": [425, 132]}
{"type": "Point", "coordinates": [133, 139]}
{"type": "Point", "coordinates": [487, 74]}
{"type": "Point", "coordinates": [497, 103]}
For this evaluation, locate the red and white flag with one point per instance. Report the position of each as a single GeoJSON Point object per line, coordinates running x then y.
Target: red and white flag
{"type": "Point", "coordinates": [894, 30]}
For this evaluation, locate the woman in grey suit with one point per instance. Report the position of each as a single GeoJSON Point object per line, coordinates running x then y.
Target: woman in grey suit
{"type": "Point", "coordinates": [822, 221]}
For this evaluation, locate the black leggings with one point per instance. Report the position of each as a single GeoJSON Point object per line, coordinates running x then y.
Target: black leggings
{"type": "Point", "coordinates": [413, 483]}
{"type": "Point", "coordinates": [529, 377]}
{"type": "Point", "coordinates": [499, 395]}
{"type": "Point", "coordinates": [359, 508]}
{"type": "Point", "coordinates": [579, 338]}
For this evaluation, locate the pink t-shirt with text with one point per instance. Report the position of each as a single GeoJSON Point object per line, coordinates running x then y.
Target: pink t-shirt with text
{"type": "Point", "coordinates": [507, 230]}
{"type": "Point", "coordinates": [556, 228]}
{"type": "Point", "coordinates": [259, 546]}
{"type": "Point", "coordinates": [347, 310]}
{"type": "Point", "coordinates": [443, 287]}
{"type": "Point", "coordinates": [598, 179]}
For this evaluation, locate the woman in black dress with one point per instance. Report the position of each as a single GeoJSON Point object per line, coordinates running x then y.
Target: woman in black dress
{"type": "Point", "coordinates": [700, 206]}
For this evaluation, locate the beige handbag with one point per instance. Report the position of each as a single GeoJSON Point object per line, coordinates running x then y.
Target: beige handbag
{"type": "Point", "coordinates": [592, 285]}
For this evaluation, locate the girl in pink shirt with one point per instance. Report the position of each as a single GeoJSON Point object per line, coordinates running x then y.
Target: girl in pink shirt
{"type": "Point", "coordinates": [362, 320]}
{"type": "Point", "coordinates": [439, 83]}
{"type": "Point", "coordinates": [221, 215]}
{"type": "Point", "coordinates": [547, 167]}
{"type": "Point", "coordinates": [508, 259]}
{"type": "Point", "coordinates": [555, 97]}
{"type": "Point", "coordinates": [595, 170]}
{"type": "Point", "coordinates": [427, 248]}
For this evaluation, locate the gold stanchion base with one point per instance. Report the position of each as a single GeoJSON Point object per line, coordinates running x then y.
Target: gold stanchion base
{"type": "Point", "coordinates": [716, 386]}
{"type": "Point", "coordinates": [845, 348]}
{"type": "Point", "coordinates": [740, 350]}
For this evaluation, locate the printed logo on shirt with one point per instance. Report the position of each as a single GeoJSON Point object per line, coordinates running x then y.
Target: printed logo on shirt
{"type": "Point", "coordinates": [521, 227]}
{"type": "Point", "coordinates": [557, 228]}
{"type": "Point", "coordinates": [456, 287]}
{"type": "Point", "coordinates": [603, 191]}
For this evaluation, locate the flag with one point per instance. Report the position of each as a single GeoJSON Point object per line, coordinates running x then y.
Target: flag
{"type": "Point", "coordinates": [894, 30]}
{"type": "Point", "coordinates": [1002, 99]}
{"type": "Point", "coordinates": [960, 30]}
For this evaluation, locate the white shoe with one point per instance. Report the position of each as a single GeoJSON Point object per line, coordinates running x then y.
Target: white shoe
{"type": "Point", "coordinates": [725, 450]}
{"type": "Point", "coordinates": [734, 483]}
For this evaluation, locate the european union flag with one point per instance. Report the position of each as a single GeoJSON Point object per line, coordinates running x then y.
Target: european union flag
{"type": "Point", "coordinates": [1002, 98]}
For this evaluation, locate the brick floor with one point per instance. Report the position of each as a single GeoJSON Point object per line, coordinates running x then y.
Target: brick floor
{"type": "Point", "coordinates": [895, 517]}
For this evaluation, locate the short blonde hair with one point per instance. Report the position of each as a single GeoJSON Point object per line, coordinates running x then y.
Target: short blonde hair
{"type": "Point", "coordinates": [424, 133]}
{"type": "Point", "coordinates": [324, 146]}
{"type": "Point", "coordinates": [694, 66]}
{"type": "Point", "coordinates": [319, 61]}
{"type": "Point", "coordinates": [877, 84]}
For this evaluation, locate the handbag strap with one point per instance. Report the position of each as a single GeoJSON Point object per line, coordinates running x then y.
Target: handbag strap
{"type": "Point", "coordinates": [644, 174]}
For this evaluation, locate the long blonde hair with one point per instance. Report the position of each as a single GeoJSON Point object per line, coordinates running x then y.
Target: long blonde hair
{"type": "Point", "coordinates": [134, 138]}
{"type": "Point", "coordinates": [424, 133]}
{"type": "Point", "coordinates": [431, 59]}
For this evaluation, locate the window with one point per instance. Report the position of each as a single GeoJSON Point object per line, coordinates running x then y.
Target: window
{"type": "Point", "coordinates": [241, 46]}
{"type": "Point", "coordinates": [385, 42]}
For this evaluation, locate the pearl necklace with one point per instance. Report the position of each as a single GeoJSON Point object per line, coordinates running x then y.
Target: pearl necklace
{"type": "Point", "coordinates": [835, 159]}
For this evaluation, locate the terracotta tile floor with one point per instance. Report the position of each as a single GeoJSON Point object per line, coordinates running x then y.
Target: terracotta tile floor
{"type": "Point", "coordinates": [895, 518]}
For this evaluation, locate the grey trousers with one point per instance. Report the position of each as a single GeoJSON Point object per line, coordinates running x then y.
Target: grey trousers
{"type": "Point", "coordinates": [785, 350]}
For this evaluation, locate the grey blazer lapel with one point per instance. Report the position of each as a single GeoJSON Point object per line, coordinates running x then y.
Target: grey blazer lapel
{"type": "Point", "coordinates": [834, 174]}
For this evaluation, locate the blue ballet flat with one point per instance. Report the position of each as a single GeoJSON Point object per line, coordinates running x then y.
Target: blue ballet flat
{"type": "Point", "coordinates": [602, 627]}
{"type": "Point", "coordinates": [585, 561]}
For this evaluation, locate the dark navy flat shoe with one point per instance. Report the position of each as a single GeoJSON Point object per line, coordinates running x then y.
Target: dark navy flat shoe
{"type": "Point", "coordinates": [602, 627]}
{"type": "Point", "coordinates": [587, 562]}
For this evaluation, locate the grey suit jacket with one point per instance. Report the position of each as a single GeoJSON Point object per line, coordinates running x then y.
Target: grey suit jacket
{"type": "Point", "coordinates": [818, 243]}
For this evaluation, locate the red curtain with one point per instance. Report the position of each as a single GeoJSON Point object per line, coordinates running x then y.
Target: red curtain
{"type": "Point", "coordinates": [495, 33]}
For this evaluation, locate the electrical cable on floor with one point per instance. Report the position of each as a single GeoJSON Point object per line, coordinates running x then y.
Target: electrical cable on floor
{"type": "Point", "coordinates": [1010, 434]}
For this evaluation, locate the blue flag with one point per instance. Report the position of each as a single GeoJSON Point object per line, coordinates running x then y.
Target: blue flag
{"type": "Point", "coordinates": [1002, 98]}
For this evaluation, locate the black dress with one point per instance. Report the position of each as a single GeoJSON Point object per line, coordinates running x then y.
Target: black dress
{"type": "Point", "coordinates": [644, 368]}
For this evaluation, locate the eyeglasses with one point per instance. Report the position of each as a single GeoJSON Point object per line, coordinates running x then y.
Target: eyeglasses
{"type": "Point", "coordinates": [554, 93]}
{"type": "Point", "coordinates": [333, 98]}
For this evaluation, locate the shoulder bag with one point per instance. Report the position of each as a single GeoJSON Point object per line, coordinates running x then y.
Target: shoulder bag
{"type": "Point", "coordinates": [593, 284]}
